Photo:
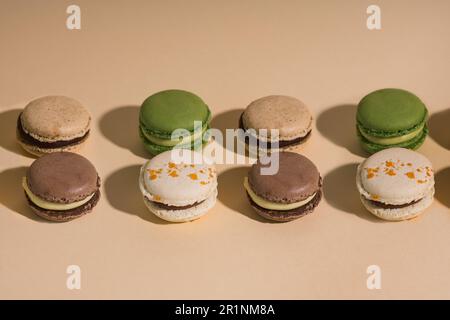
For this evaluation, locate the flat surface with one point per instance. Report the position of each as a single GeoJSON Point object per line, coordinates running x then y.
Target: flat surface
{"type": "Point", "coordinates": [230, 53]}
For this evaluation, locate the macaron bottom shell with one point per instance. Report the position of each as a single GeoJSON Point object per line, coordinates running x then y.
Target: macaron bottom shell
{"type": "Point", "coordinates": [271, 148]}
{"type": "Point", "coordinates": [412, 144]}
{"type": "Point", "coordinates": [65, 215]}
{"type": "Point", "coordinates": [39, 152]}
{"type": "Point", "coordinates": [283, 144]}
{"type": "Point", "coordinates": [399, 214]}
{"type": "Point", "coordinates": [287, 215]}
{"type": "Point", "coordinates": [182, 215]}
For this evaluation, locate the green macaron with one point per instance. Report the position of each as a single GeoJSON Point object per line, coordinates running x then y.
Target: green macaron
{"type": "Point", "coordinates": [390, 118]}
{"type": "Point", "coordinates": [165, 112]}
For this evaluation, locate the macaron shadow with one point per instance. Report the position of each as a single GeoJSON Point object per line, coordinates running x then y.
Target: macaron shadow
{"type": "Point", "coordinates": [12, 195]}
{"type": "Point", "coordinates": [121, 127]}
{"type": "Point", "coordinates": [442, 186]}
{"type": "Point", "coordinates": [122, 192]}
{"type": "Point", "coordinates": [232, 193]}
{"type": "Point", "coordinates": [438, 126]}
{"type": "Point", "coordinates": [8, 140]}
{"type": "Point", "coordinates": [338, 124]}
{"type": "Point", "coordinates": [227, 120]}
{"type": "Point", "coordinates": [339, 189]}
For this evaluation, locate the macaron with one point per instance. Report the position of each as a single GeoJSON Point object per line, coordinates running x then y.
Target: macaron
{"type": "Point", "coordinates": [178, 187]}
{"type": "Point", "coordinates": [390, 118]}
{"type": "Point", "coordinates": [396, 184]}
{"type": "Point", "coordinates": [293, 191]}
{"type": "Point", "coordinates": [166, 111]}
{"type": "Point", "coordinates": [61, 186]}
{"type": "Point", "coordinates": [53, 124]}
{"type": "Point", "coordinates": [288, 115]}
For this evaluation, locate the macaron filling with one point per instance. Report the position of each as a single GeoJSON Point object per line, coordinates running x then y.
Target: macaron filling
{"type": "Point", "coordinates": [185, 140]}
{"type": "Point", "coordinates": [287, 215]}
{"type": "Point", "coordinates": [383, 205]}
{"type": "Point", "coordinates": [270, 205]}
{"type": "Point", "coordinates": [392, 140]}
{"type": "Point", "coordinates": [65, 215]}
{"type": "Point", "coordinates": [30, 140]}
{"type": "Point", "coordinates": [151, 199]}
{"type": "Point", "coordinates": [169, 207]}
{"type": "Point", "coordinates": [47, 205]}
{"type": "Point", "coordinates": [271, 145]}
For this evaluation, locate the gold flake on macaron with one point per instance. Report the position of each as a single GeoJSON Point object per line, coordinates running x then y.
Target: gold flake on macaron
{"type": "Point", "coordinates": [396, 184]}
{"type": "Point", "coordinates": [178, 191]}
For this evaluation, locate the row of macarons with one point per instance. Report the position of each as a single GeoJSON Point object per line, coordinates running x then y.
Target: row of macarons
{"type": "Point", "coordinates": [180, 185]}
{"type": "Point", "coordinates": [385, 118]}
{"type": "Point", "coordinates": [58, 124]}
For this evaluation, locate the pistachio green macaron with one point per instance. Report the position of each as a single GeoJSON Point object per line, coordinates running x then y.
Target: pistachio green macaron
{"type": "Point", "coordinates": [173, 119]}
{"type": "Point", "coordinates": [390, 118]}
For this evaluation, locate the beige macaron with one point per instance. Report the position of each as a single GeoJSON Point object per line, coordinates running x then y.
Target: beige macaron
{"type": "Point", "coordinates": [396, 184]}
{"type": "Point", "coordinates": [179, 185]}
{"type": "Point", "coordinates": [277, 122]}
{"type": "Point", "coordinates": [53, 124]}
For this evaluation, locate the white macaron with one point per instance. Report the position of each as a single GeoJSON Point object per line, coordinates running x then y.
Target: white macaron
{"type": "Point", "coordinates": [178, 185]}
{"type": "Point", "coordinates": [396, 184]}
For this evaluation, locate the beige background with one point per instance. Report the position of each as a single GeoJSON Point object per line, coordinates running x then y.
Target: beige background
{"type": "Point", "coordinates": [230, 53]}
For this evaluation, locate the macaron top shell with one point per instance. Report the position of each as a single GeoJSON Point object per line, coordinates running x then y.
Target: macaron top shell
{"type": "Point", "coordinates": [177, 182]}
{"type": "Point", "coordinates": [297, 179]}
{"type": "Point", "coordinates": [166, 111]}
{"type": "Point", "coordinates": [395, 176]}
{"type": "Point", "coordinates": [287, 114]}
{"type": "Point", "coordinates": [62, 177]}
{"type": "Point", "coordinates": [390, 111]}
{"type": "Point", "coordinates": [54, 118]}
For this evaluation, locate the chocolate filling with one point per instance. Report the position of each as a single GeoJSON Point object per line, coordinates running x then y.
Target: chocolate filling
{"type": "Point", "coordinates": [63, 215]}
{"type": "Point", "coordinates": [28, 139]}
{"type": "Point", "coordinates": [392, 206]}
{"type": "Point", "coordinates": [287, 215]}
{"type": "Point", "coordinates": [281, 143]}
{"type": "Point", "coordinates": [167, 207]}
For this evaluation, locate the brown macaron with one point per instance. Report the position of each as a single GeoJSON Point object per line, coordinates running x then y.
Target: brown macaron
{"type": "Point", "coordinates": [293, 191]}
{"type": "Point", "coordinates": [62, 186]}
{"type": "Point", "coordinates": [53, 124]}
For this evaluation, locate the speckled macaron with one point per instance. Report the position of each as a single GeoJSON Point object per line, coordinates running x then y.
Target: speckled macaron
{"type": "Point", "coordinates": [396, 184]}
{"type": "Point", "coordinates": [53, 124]}
{"type": "Point", "coordinates": [288, 115]}
{"type": "Point", "coordinates": [178, 185]}
{"type": "Point", "coordinates": [292, 191]}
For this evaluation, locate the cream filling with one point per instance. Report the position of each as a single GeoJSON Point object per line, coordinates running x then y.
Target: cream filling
{"type": "Point", "coordinates": [273, 205]}
{"type": "Point", "coordinates": [393, 140]}
{"type": "Point", "coordinates": [171, 143]}
{"type": "Point", "coordinates": [50, 205]}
